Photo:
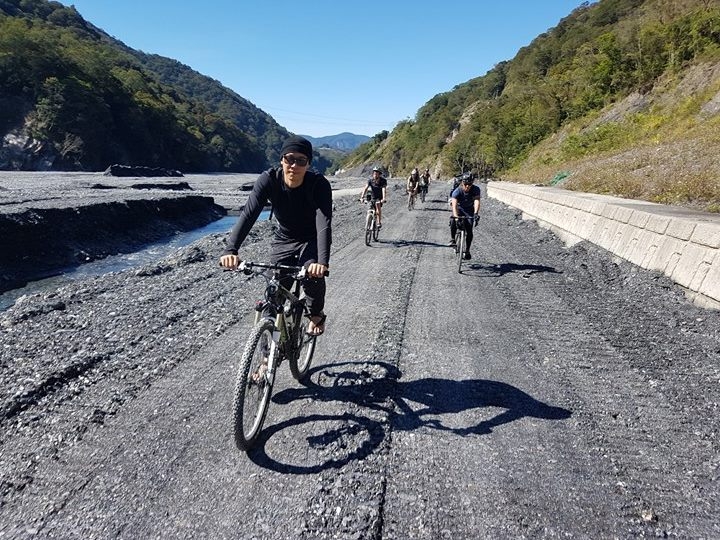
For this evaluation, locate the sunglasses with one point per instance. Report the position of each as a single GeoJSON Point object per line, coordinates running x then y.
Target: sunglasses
{"type": "Point", "coordinates": [292, 160]}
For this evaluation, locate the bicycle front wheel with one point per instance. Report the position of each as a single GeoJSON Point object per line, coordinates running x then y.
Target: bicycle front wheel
{"type": "Point", "coordinates": [253, 385]}
{"type": "Point", "coordinates": [460, 249]}
{"type": "Point", "coordinates": [375, 231]}
{"type": "Point", "coordinates": [369, 223]}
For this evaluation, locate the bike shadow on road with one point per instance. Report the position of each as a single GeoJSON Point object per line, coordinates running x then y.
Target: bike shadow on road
{"type": "Point", "coordinates": [480, 269]}
{"type": "Point", "coordinates": [429, 403]}
{"type": "Point", "coordinates": [405, 243]}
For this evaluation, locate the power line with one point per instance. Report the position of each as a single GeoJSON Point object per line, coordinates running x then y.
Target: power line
{"type": "Point", "coordinates": [334, 118]}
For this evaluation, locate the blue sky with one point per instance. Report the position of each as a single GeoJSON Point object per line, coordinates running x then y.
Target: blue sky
{"type": "Point", "coordinates": [322, 67]}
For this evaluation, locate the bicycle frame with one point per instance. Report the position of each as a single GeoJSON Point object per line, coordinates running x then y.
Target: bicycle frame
{"type": "Point", "coordinates": [461, 237]}
{"type": "Point", "coordinates": [278, 303]}
{"type": "Point", "coordinates": [279, 333]}
{"type": "Point", "coordinates": [412, 194]}
{"type": "Point", "coordinates": [371, 230]}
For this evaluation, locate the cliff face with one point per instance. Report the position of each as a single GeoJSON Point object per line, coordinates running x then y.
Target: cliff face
{"type": "Point", "coordinates": [19, 152]}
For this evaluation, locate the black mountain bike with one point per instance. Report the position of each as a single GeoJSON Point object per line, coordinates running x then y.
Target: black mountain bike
{"type": "Point", "coordinates": [279, 333]}
{"type": "Point", "coordinates": [423, 189]}
{"type": "Point", "coordinates": [463, 223]}
{"type": "Point", "coordinates": [412, 194]}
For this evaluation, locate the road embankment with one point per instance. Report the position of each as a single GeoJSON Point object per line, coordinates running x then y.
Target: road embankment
{"type": "Point", "coordinates": [682, 244]}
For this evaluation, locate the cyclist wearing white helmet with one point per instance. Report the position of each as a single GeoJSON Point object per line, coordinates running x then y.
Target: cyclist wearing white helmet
{"type": "Point", "coordinates": [376, 190]}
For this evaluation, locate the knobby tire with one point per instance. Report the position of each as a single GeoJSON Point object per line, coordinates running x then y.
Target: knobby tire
{"type": "Point", "coordinates": [369, 224]}
{"type": "Point", "coordinates": [411, 202]}
{"type": "Point", "coordinates": [304, 347]}
{"type": "Point", "coordinates": [252, 395]}
{"type": "Point", "coordinates": [460, 248]}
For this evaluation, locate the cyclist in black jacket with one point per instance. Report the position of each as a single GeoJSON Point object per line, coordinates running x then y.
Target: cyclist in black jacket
{"type": "Point", "coordinates": [377, 188]}
{"type": "Point", "coordinates": [302, 205]}
{"type": "Point", "coordinates": [465, 202]}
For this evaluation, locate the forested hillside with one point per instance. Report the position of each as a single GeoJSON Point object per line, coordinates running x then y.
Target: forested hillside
{"type": "Point", "coordinates": [219, 99]}
{"type": "Point", "coordinates": [72, 98]}
{"type": "Point", "coordinates": [621, 97]}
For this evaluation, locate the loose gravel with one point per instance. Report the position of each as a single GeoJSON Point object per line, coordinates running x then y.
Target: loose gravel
{"type": "Point", "coordinates": [73, 357]}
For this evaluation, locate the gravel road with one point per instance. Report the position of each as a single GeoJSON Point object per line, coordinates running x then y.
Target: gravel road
{"type": "Point", "coordinates": [544, 392]}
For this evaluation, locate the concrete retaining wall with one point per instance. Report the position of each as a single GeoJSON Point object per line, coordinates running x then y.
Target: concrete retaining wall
{"type": "Point", "coordinates": [682, 244]}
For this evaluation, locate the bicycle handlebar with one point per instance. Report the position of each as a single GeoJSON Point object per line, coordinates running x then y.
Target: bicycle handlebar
{"type": "Point", "coordinates": [473, 219]}
{"type": "Point", "coordinates": [247, 267]}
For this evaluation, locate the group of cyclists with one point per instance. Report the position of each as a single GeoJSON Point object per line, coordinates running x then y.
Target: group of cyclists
{"type": "Point", "coordinates": [302, 205]}
{"type": "Point", "coordinates": [464, 199]}
{"type": "Point", "coordinates": [417, 184]}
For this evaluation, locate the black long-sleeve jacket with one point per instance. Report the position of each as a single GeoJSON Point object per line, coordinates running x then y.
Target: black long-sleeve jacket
{"type": "Point", "coordinates": [303, 213]}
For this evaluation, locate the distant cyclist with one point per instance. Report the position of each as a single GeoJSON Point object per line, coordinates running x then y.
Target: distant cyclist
{"type": "Point", "coordinates": [457, 180]}
{"type": "Point", "coordinates": [376, 188]}
{"type": "Point", "coordinates": [412, 183]}
{"type": "Point", "coordinates": [425, 181]}
{"type": "Point", "coordinates": [465, 202]}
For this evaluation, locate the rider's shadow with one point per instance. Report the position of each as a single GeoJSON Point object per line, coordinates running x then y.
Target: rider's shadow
{"type": "Point", "coordinates": [435, 398]}
{"type": "Point", "coordinates": [431, 403]}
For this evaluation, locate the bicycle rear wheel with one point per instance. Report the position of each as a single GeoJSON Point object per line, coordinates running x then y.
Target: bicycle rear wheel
{"type": "Point", "coordinates": [304, 346]}
{"type": "Point", "coordinates": [253, 385]}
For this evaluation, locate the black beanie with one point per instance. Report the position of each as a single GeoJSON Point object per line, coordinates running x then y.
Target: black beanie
{"type": "Point", "coordinates": [296, 143]}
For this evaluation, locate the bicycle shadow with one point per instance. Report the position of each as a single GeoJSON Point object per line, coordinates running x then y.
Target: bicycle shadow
{"type": "Point", "coordinates": [430, 403]}
{"type": "Point", "coordinates": [499, 270]}
{"type": "Point", "coordinates": [445, 208]}
{"type": "Point", "coordinates": [404, 243]}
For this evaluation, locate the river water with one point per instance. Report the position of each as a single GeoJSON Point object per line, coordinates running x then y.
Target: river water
{"type": "Point", "coordinates": [115, 263]}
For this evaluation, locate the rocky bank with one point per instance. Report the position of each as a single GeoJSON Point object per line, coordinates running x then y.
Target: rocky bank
{"type": "Point", "coordinates": [53, 221]}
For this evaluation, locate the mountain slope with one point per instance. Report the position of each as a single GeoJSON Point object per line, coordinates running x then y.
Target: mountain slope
{"type": "Point", "coordinates": [219, 99]}
{"type": "Point", "coordinates": [342, 141]}
{"type": "Point", "coordinates": [72, 97]}
{"type": "Point", "coordinates": [563, 100]}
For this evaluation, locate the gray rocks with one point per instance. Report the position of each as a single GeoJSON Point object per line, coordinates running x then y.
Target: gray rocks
{"type": "Point", "coordinates": [136, 170]}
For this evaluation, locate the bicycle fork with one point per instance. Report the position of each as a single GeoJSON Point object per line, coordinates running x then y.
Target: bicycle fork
{"type": "Point", "coordinates": [275, 353]}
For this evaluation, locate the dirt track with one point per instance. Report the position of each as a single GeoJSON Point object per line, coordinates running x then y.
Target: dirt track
{"type": "Point", "coordinates": [546, 392]}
